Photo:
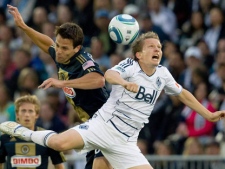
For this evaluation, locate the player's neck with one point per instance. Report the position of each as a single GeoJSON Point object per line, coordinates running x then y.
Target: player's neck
{"type": "Point", "coordinates": [149, 70]}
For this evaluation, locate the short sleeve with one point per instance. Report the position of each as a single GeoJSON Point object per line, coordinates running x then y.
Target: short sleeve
{"type": "Point", "coordinates": [171, 86]}
{"type": "Point", "coordinates": [125, 68]}
{"type": "Point", "coordinates": [56, 157]}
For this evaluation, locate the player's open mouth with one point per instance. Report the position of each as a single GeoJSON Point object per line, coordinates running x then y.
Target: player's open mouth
{"type": "Point", "coordinates": [155, 57]}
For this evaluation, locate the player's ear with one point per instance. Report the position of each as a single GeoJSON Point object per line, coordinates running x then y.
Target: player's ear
{"type": "Point", "coordinates": [138, 55]}
{"type": "Point", "coordinates": [17, 118]}
{"type": "Point", "coordinates": [76, 49]}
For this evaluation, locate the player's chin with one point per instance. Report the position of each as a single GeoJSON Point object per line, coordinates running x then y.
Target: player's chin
{"type": "Point", "coordinates": [59, 60]}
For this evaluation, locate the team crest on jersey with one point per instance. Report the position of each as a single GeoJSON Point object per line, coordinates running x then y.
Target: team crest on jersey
{"type": "Point", "coordinates": [158, 82]}
{"type": "Point", "coordinates": [25, 149]}
{"type": "Point", "coordinates": [120, 69]}
{"type": "Point", "coordinates": [69, 92]}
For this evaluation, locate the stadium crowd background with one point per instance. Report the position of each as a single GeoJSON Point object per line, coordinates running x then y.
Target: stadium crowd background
{"type": "Point", "coordinates": [193, 36]}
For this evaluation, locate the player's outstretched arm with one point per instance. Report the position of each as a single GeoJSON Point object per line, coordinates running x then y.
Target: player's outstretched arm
{"type": "Point", "coordinates": [188, 99]}
{"type": "Point", "coordinates": [41, 40]}
{"type": "Point", "coordinates": [91, 80]}
{"type": "Point", "coordinates": [114, 77]}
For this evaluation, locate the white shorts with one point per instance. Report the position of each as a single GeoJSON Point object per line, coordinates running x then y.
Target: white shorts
{"type": "Point", "coordinates": [121, 154]}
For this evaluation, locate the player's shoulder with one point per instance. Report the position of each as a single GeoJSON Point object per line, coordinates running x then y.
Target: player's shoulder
{"type": "Point", "coordinates": [127, 62]}
{"type": "Point", "coordinates": [84, 54]}
{"type": "Point", "coordinates": [4, 137]}
{"type": "Point", "coordinates": [161, 68]}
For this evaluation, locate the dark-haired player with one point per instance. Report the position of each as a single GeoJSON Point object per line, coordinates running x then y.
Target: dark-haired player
{"type": "Point", "coordinates": [78, 75]}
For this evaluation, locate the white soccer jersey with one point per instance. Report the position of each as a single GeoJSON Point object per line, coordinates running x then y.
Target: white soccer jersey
{"type": "Point", "coordinates": [128, 111]}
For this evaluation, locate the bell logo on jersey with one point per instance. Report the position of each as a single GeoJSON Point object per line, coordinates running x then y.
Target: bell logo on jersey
{"type": "Point", "coordinates": [26, 161]}
{"type": "Point", "coordinates": [69, 92]}
{"type": "Point", "coordinates": [147, 97]}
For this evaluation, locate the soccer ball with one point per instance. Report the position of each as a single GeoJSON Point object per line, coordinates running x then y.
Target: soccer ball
{"type": "Point", "coordinates": [123, 29]}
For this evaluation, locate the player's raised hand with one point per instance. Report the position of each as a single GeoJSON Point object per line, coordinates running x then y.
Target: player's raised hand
{"type": "Point", "coordinates": [133, 87]}
{"type": "Point", "coordinates": [51, 82]}
{"type": "Point", "coordinates": [16, 15]}
{"type": "Point", "coordinates": [216, 116]}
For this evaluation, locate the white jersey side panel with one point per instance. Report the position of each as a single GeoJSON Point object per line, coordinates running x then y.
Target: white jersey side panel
{"type": "Point", "coordinates": [128, 111]}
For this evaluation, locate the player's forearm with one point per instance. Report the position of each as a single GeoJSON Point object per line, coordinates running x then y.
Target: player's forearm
{"type": "Point", "coordinates": [59, 166]}
{"type": "Point", "coordinates": [41, 40]}
{"type": "Point", "coordinates": [90, 81]}
{"type": "Point", "coordinates": [114, 77]}
{"type": "Point", "coordinates": [188, 99]}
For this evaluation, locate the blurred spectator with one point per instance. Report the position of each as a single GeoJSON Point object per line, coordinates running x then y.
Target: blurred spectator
{"type": "Point", "coordinates": [163, 17]}
{"type": "Point", "coordinates": [132, 10]}
{"type": "Point", "coordinates": [59, 104]}
{"type": "Point", "coordinates": [49, 64]}
{"type": "Point", "coordinates": [176, 66]}
{"type": "Point", "coordinates": [2, 15]}
{"type": "Point", "coordinates": [7, 67]}
{"type": "Point", "coordinates": [115, 58]}
{"type": "Point", "coordinates": [166, 110]}
{"type": "Point", "coordinates": [48, 118]}
{"type": "Point", "coordinates": [102, 21]}
{"type": "Point", "coordinates": [218, 71]}
{"type": "Point", "coordinates": [194, 125]}
{"type": "Point", "coordinates": [22, 59]}
{"type": "Point", "coordinates": [63, 14]}
{"type": "Point", "coordinates": [117, 7]}
{"type": "Point", "coordinates": [192, 146]}
{"type": "Point", "coordinates": [204, 6]}
{"type": "Point", "coordinates": [164, 148]}
{"type": "Point", "coordinates": [168, 47]}
{"type": "Point", "coordinates": [213, 148]}
{"type": "Point", "coordinates": [200, 75]}
{"type": "Point", "coordinates": [221, 45]}
{"type": "Point", "coordinates": [28, 79]}
{"type": "Point", "coordinates": [216, 30]}
{"type": "Point", "coordinates": [84, 17]}
{"type": "Point", "coordinates": [192, 31]}
{"type": "Point", "coordinates": [7, 108]}
{"type": "Point", "coordinates": [181, 9]}
{"type": "Point", "coordinates": [48, 28]}
{"type": "Point", "coordinates": [24, 6]}
{"type": "Point", "coordinates": [143, 146]}
{"type": "Point", "coordinates": [207, 58]}
{"type": "Point", "coordinates": [100, 4]}
{"type": "Point", "coordinates": [6, 37]}
{"type": "Point", "coordinates": [146, 25]}
{"type": "Point", "coordinates": [97, 52]}
{"type": "Point", "coordinates": [193, 58]}
{"type": "Point", "coordinates": [39, 17]}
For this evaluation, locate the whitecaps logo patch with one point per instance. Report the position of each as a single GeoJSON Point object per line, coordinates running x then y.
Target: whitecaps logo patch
{"type": "Point", "coordinates": [69, 92]}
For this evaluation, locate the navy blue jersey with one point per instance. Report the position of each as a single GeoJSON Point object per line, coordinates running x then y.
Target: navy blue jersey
{"type": "Point", "coordinates": [85, 102]}
{"type": "Point", "coordinates": [23, 154]}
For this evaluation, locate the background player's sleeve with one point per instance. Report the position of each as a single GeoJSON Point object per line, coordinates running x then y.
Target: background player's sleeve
{"type": "Point", "coordinates": [56, 157]}
{"type": "Point", "coordinates": [171, 87]}
{"type": "Point", "coordinates": [2, 149]}
{"type": "Point", "coordinates": [125, 68]}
